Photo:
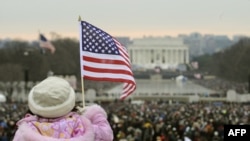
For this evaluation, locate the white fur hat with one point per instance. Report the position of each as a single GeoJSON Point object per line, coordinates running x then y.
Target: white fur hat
{"type": "Point", "coordinates": [51, 98]}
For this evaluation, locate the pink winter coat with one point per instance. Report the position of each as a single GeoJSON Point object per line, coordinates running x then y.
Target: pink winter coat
{"type": "Point", "coordinates": [92, 125]}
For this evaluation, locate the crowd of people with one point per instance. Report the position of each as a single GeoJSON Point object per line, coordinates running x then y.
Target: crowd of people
{"type": "Point", "coordinates": [152, 120]}
{"type": "Point", "coordinates": [148, 121]}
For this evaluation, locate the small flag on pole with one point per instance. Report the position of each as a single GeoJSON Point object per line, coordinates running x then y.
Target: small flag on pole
{"type": "Point", "coordinates": [44, 43]}
{"type": "Point", "coordinates": [103, 58]}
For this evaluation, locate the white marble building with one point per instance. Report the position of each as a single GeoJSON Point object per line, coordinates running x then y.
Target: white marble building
{"type": "Point", "coordinates": [163, 52]}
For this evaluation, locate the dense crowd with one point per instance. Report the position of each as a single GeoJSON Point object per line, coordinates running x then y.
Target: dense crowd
{"type": "Point", "coordinates": [152, 120]}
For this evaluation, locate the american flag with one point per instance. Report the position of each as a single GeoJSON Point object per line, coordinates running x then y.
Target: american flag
{"type": "Point", "coordinates": [44, 43]}
{"type": "Point", "coordinates": [103, 58]}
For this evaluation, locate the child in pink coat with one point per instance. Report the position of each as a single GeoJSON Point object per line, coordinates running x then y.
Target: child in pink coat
{"type": "Point", "coordinates": [53, 118]}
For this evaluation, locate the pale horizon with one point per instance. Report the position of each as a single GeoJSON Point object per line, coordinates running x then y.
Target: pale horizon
{"type": "Point", "coordinates": [48, 35]}
{"type": "Point", "coordinates": [24, 20]}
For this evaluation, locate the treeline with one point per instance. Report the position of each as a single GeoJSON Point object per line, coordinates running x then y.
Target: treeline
{"type": "Point", "coordinates": [24, 61]}
{"type": "Point", "coordinates": [21, 60]}
{"type": "Point", "coordinates": [232, 64]}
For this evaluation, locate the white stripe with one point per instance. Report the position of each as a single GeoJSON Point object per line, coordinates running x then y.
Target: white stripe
{"type": "Point", "coordinates": [107, 75]}
{"type": "Point", "coordinates": [124, 95]}
{"type": "Point", "coordinates": [125, 58]}
{"type": "Point", "coordinates": [47, 45]}
{"type": "Point", "coordinates": [104, 56]}
{"type": "Point", "coordinates": [106, 66]}
{"type": "Point", "coordinates": [132, 88]}
{"type": "Point", "coordinates": [124, 52]}
{"type": "Point", "coordinates": [129, 88]}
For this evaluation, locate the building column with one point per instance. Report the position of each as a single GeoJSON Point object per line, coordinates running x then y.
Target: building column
{"type": "Point", "coordinates": [187, 56]}
{"type": "Point", "coordinates": [182, 56]}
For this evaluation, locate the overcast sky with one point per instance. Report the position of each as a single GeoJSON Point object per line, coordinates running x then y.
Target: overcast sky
{"type": "Point", "coordinates": [23, 19]}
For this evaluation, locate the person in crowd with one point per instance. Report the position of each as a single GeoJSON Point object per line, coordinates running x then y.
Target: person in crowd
{"type": "Point", "coordinates": [53, 116]}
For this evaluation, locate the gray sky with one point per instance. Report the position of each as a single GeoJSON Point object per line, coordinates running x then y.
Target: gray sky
{"type": "Point", "coordinates": [23, 19]}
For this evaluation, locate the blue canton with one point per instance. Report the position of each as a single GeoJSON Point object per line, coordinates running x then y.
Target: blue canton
{"type": "Point", "coordinates": [97, 41]}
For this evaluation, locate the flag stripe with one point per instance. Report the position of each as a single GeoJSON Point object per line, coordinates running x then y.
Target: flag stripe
{"type": "Point", "coordinates": [103, 58]}
{"type": "Point", "coordinates": [128, 88]}
{"type": "Point", "coordinates": [123, 53]}
{"type": "Point", "coordinates": [113, 71]}
{"type": "Point", "coordinates": [107, 79]}
{"type": "Point", "coordinates": [104, 61]}
{"type": "Point", "coordinates": [121, 77]}
{"type": "Point", "coordinates": [102, 66]}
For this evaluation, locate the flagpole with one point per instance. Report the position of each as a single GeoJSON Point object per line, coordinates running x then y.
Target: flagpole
{"type": "Point", "coordinates": [82, 81]}
{"type": "Point", "coordinates": [83, 99]}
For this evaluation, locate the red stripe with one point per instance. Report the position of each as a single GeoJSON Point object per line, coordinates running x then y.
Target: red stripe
{"type": "Point", "coordinates": [108, 79]}
{"type": "Point", "coordinates": [126, 86]}
{"type": "Point", "coordinates": [129, 86]}
{"type": "Point", "coordinates": [115, 71]}
{"type": "Point", "coordinates": [126, 58]}
{"type": "Point", "coordinates": [129, 91]}
{"type": "Point", "coordinates": [104, 61]}
{"type": "Point", "coordinates": [121, 48]}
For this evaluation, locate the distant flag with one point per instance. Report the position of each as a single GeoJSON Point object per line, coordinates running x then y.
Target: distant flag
{"type": "Point", "coordinates": [197, 75]}
{"type": "Point", "coordinates": [195, 64]}
{"type": "Point", "coordinates": [103, 58]}
{"type": "Point", "coordinates": [45, 44]}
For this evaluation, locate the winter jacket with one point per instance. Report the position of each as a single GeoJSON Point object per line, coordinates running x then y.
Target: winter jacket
{"type": "Point", "coordinates": [91, 125]}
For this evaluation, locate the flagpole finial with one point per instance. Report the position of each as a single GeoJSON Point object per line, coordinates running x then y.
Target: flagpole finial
{"type": "Point", "coordinates": [79, 18]}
